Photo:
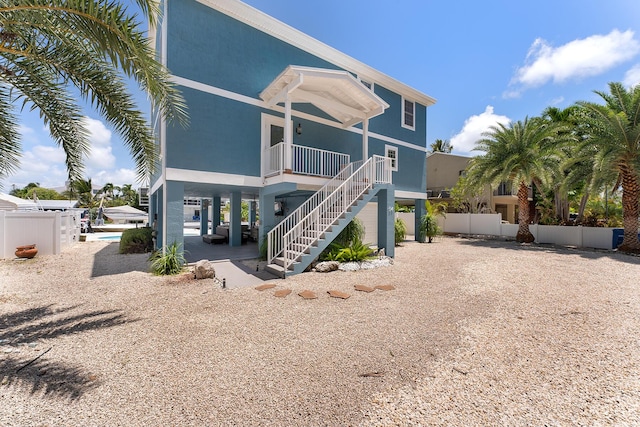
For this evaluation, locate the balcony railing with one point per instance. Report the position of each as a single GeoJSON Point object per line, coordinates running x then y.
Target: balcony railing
{"type": "Point", "coordinates": [305, 161]}
{"type": "Point", "coordinates": [506, 189]}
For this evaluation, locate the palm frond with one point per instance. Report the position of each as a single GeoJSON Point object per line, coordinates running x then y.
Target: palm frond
{"type": "Point", "coordinates": [10, 146]}
{"type": "Point", "coordinates": [49, 46]}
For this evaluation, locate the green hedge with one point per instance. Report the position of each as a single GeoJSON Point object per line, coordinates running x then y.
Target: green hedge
{"type": "Point", "coordinates": [136, 241]}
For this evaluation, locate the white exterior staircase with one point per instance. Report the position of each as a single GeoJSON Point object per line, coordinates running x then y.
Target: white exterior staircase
{"type": "Point", "coordinates": [298, 240]}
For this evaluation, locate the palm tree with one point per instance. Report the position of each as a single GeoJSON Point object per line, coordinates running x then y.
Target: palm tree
{"type": "Point", "coordinates": [129, 195]}
{"type": "Point", "coordinates": [82, 190]}
{"type": "Point", "coordinates": [441, 146]}
{"type": "Point", "coordinates": [48, 47]}
{"type": "Point", "coordinates": [615, 132]}
{"type": "Point", "coordinates": [107, 190]}
{"type": "Point", "coordinates": [429, 222]}
{"type": "Point", "coordinates": [567, 174]}
{"type": "Point", "coordinates": [520, 153]}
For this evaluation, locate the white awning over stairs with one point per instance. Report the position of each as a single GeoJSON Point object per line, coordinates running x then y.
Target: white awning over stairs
{"type": "Point", "coordinates": [337, 93]}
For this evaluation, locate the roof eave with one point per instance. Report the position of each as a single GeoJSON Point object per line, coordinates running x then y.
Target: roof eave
{"type": "Point", "coordinates": [269, 25]}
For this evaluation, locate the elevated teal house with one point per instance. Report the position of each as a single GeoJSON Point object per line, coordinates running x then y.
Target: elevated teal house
{"type": "Point", "coordinates": [306, 134]}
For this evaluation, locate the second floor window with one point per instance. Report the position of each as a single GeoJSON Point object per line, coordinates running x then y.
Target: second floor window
{"type": "Point", "coordinates": [408, 114]}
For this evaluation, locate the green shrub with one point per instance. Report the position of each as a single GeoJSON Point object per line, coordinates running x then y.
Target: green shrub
{"type": "Point", "coordinates": [331, 252]}
{"type": "Point", "coordinates": [264, 245]}
{"type": "Point", "coordinates": [400, 231]}
{"type": "Point", "coordinates": [136, 241]}
{"type": "Point", "coordinates": [170, 263]}
{"type": "Point", "coordinates": [355, 252]}
{"type": "Point", "coordinates": [353, 232]}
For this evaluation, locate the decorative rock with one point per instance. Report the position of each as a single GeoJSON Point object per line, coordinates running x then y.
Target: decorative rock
{"type": "Point", "coordinates": [265, 287]}
{"type": "Point", "coordinates": [350, 266]}
{"type": "Point", "coordinates": [385, 287]}
{"type": "Point", "coordinates": [381, 252]}
{"type": "Point", "coordinates": [363, 288]}
{"type": "Point", "coordinates": [338, 294]}
{"type": "Point", "coordinates": [282, 293]}
{"type": "Point", "coordinates": [367, 265]}
{"type": "Point", "coordinates": [306, 294]}
{"type": "Point", "coordinates": [327, 266]}
{"type": "Point", "coordinates": [204, 270]}
{"type": "Point", "coordinates": [375, 263]}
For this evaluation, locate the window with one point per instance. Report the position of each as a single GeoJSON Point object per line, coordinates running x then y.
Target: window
{"type": "Point", "coordinates": [392, 153]}
{"type": "Point", "coordinates": [408, 114]}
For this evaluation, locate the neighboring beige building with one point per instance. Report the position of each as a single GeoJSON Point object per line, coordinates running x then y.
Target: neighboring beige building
{"type": "Point", "coordinates": [443, 171]}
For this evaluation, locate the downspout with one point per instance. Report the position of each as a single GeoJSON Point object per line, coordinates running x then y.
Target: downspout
{"type": "Point", "coordinates": [163, 141]}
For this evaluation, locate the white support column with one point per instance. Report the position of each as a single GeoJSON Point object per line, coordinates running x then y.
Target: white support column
{"type": "Point", "coordinates": [288, 134]}
{"type": "Point", "coordinates": [365, 139]}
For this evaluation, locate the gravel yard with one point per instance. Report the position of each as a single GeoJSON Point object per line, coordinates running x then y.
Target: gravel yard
{"type": "Point", "coordinates": [474, 333]}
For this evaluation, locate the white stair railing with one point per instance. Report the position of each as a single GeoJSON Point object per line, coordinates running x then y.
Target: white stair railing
{"type": "Point", "coordinates": [274, 237]}
{"type": "Point", "coordinates": [303, 227]}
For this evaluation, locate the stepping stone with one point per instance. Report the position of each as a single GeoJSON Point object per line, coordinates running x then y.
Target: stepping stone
{"type": "Point", "coordinates": [385, 287]}
{"type": "Point", "coordinates": [265, 287]}
{"type": "Point", "coordinates": [338, 294]}
{"type": "Point", "coordinates": [363, 288]}
{"type": "Point", "coordinates": [282, 293]}
{"type": "Point", "coordinates": [306, 294]}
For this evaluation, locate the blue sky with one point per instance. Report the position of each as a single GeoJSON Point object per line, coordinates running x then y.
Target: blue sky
{"type": "Point", "coordinates": [497, 60]}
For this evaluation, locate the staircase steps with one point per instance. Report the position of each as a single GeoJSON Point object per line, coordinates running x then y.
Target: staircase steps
{"type": "Point", "coordinates": [307, 231]}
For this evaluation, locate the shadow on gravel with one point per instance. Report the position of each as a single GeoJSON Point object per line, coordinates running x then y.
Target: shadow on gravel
{"type": "Point", "coordinates": [586, 253]}
{"type": "Point", "coordinates": [108, 261]}
{"type": "Point", "coordinates": [28, 360]}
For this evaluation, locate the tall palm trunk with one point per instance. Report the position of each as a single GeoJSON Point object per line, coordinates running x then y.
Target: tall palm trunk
{"type": "Point", "coordinates": [583, 205]}
{"type": "Point", "coordinates": [524, 235]}
{"type": "Point", "coordinates": [630, 208]}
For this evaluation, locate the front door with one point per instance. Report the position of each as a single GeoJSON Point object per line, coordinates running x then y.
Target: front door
{"type": "Point", "coordinates": [272, 135]}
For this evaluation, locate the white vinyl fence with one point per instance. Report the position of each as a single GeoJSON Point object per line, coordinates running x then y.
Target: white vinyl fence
{"type": "Point", "coordinates": [491, 224]}
{"type": "Point", "coordinates": [50, 231]}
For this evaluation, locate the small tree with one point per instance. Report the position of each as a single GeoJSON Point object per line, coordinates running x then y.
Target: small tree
{"type": "Point", "coordinates": [429, 222]}
{"type": "Point", "coordinates": [400, 231]}
{"type": "Point", "coordinates": [468, 196]}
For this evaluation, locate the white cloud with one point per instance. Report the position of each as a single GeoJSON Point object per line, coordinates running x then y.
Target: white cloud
{"type": "Point", "coordinates": [473, 128]}
{"type": "Point", "coordinates": [577, 59]}
{"type": "Point", "coordinates": [556, 101]}
{"type": "Point", "coordinates": [100, 156]}
{"type": "Point", "coordinates": [41, 164]}
{"type": "Point", "coordinates": [116, 177]}
{"type": "Point", "coordinates": [28, 135]}
{"type": "Point", "coordinates": [46, 163]}
{"type": "Point", "coordinates": [50, 154]}
{"type": "Point", "coordinates": [632, 76]}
